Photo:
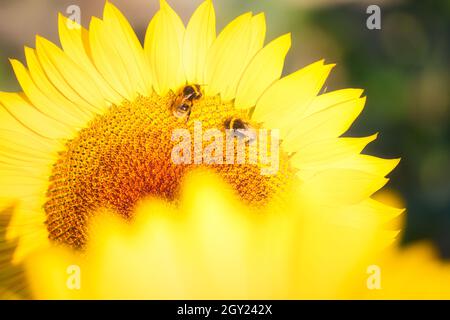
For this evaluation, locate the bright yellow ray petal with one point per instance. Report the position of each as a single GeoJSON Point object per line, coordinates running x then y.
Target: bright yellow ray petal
{"type": "Point", "coordinates": [199, 36]}
{"type": "Point", "coordinates": [68, 77]}
{"type": "Point", "coordinates": [24, 152]}
{"type": "Point", "coordinates": [328, 123]}
{"type": "Point", "coordinates": [231, 52]}
{"type": "Point", "coordinates": [329, 150]}
{"type": "Point", "coordinates": [384, 215]}
{"type": "Point", "coordinates": [129, 49]}
{"type": "Point", "coordinates": [374, 165]}
{"type": "Point", "coordinates": [27, 115]}
{"type": "Point", "coordinates": [27, 226]}
{"type": "Point", "coordinates": [13, 158]}
{"type": "Point", "coordinates": [258, 35]}
{"type": "Point", "coordinates": [331, 98]}
{"type": "Point", "coordinates": [265, 68]}
{"type": "Point", "coordinates": [355, 186]}
{"type": "Point", "coordinates": [283, 103]}
{"type": "Point", "coordinates": [19, 143]}
{"type": "Point", "coordinates": [43, 103]}
{"type": "Point", "coordinates": [20, 147]}
{"type": "Point", "coordinates": [48, 89]}
{"type": "Point", "coordinates": [26, 195]}
{"type": "Point", "coordinates": [19, 184]}
{"type": "Point", "coordinates": [75, 42]}
{"type": "Point", "coordinates": [108, 61]}
{"type": "Point", "coordinates": [163, 48]}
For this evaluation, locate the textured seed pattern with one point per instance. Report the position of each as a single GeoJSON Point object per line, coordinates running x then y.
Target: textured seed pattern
{"type": "Point", "coordinates": [124, 155]}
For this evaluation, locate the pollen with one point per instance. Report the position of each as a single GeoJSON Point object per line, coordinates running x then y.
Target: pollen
{"type": "Point", "coordinates": [124, 155]}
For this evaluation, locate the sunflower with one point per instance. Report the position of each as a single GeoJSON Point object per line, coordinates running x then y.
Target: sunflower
{"type": "Point", "coordinates": [86, 164]}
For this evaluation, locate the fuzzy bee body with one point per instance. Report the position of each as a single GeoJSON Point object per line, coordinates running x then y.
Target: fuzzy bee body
{"type": "Point", "coordinates": [184, 100]}
{"type": "Point", "coordinates": [240, 128]}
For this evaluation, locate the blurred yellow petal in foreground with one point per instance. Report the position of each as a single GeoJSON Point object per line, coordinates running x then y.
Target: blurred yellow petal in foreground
{"type": "Point", "coordinates": [415, 272]}
{"type": "Point", "coordinates": [212, 246]}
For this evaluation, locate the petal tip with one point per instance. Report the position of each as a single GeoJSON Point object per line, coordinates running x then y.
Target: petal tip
{"type": "Point", "coordinates": [163, 4]}
{"type": "Point", "coordinates": [110, 7]}
{"type": "Point", "coordinates": [260, 15]}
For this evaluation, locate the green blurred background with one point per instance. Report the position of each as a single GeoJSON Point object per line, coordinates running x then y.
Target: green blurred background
{"type": "Point", "coordinates": [404, 69]}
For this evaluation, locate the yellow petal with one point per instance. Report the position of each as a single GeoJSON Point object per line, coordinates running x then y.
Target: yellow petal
{"type": "Point", "coordinates": [68, 77]}
{"type": "Point", "coordinates": [283, 103]}
{"type": "Point", "coordinates": [343, 155]}
{"type": "Point", "coordinates": [163, 48]}
{"type": "Point", "coordinates": [200, 34]}
{"type": "Point", "coordinates": [265, 68]}
{"type": "Point", "coordinates": [27, 227]}
{"type": "Point", "coordinates": [20, 110]}
{"type": "Point", "coordinates": [328, 123]}
{"type": "Point", "coordinates": [48, 89]}
{"type": "Point", "coordinates": [25, 145]}
{"type": "Point", "coordinates": [43, 103]}
{"type": "Point", "coordinates": [329, 151]}
{"type": "Point", "coordinates": [374, 165]}
{"type": "Point", "coordinates": [17, 184]}
{"type": "Point", "coordinates": [383, 213]}
{"type": "Point", "coordinates": [75, 42]}
{"type": "Point", "coordinates": [231, 52]}
{"type": "Point", "coordinates": [14, 157]}
{"type": "Point", "coordinates": [213, 218]}
{"type": "Point", "coordinates": [332, 98]}
{"type": "Point", "coordinates": [108, 61]}
{"type": "Point", "coordinates": [33, 235]}
{"type": "Point", "coordinates": [328, 187]}
{"type": "Point", "coordinates": [129, 49]}
{"type": "Point", "coordinates": [11, 128]}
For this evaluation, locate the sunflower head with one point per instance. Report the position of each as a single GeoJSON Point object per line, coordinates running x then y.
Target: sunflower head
{"type": "Point", "coordinates": [126, 154]}
{"type": "Point", "coordinates": [104, 123]}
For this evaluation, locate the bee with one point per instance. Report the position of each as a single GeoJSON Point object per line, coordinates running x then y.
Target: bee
{"type": "Point", "coordinates": [184, 100]}
{"type": "Point", "coordinates": [240, 128]}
